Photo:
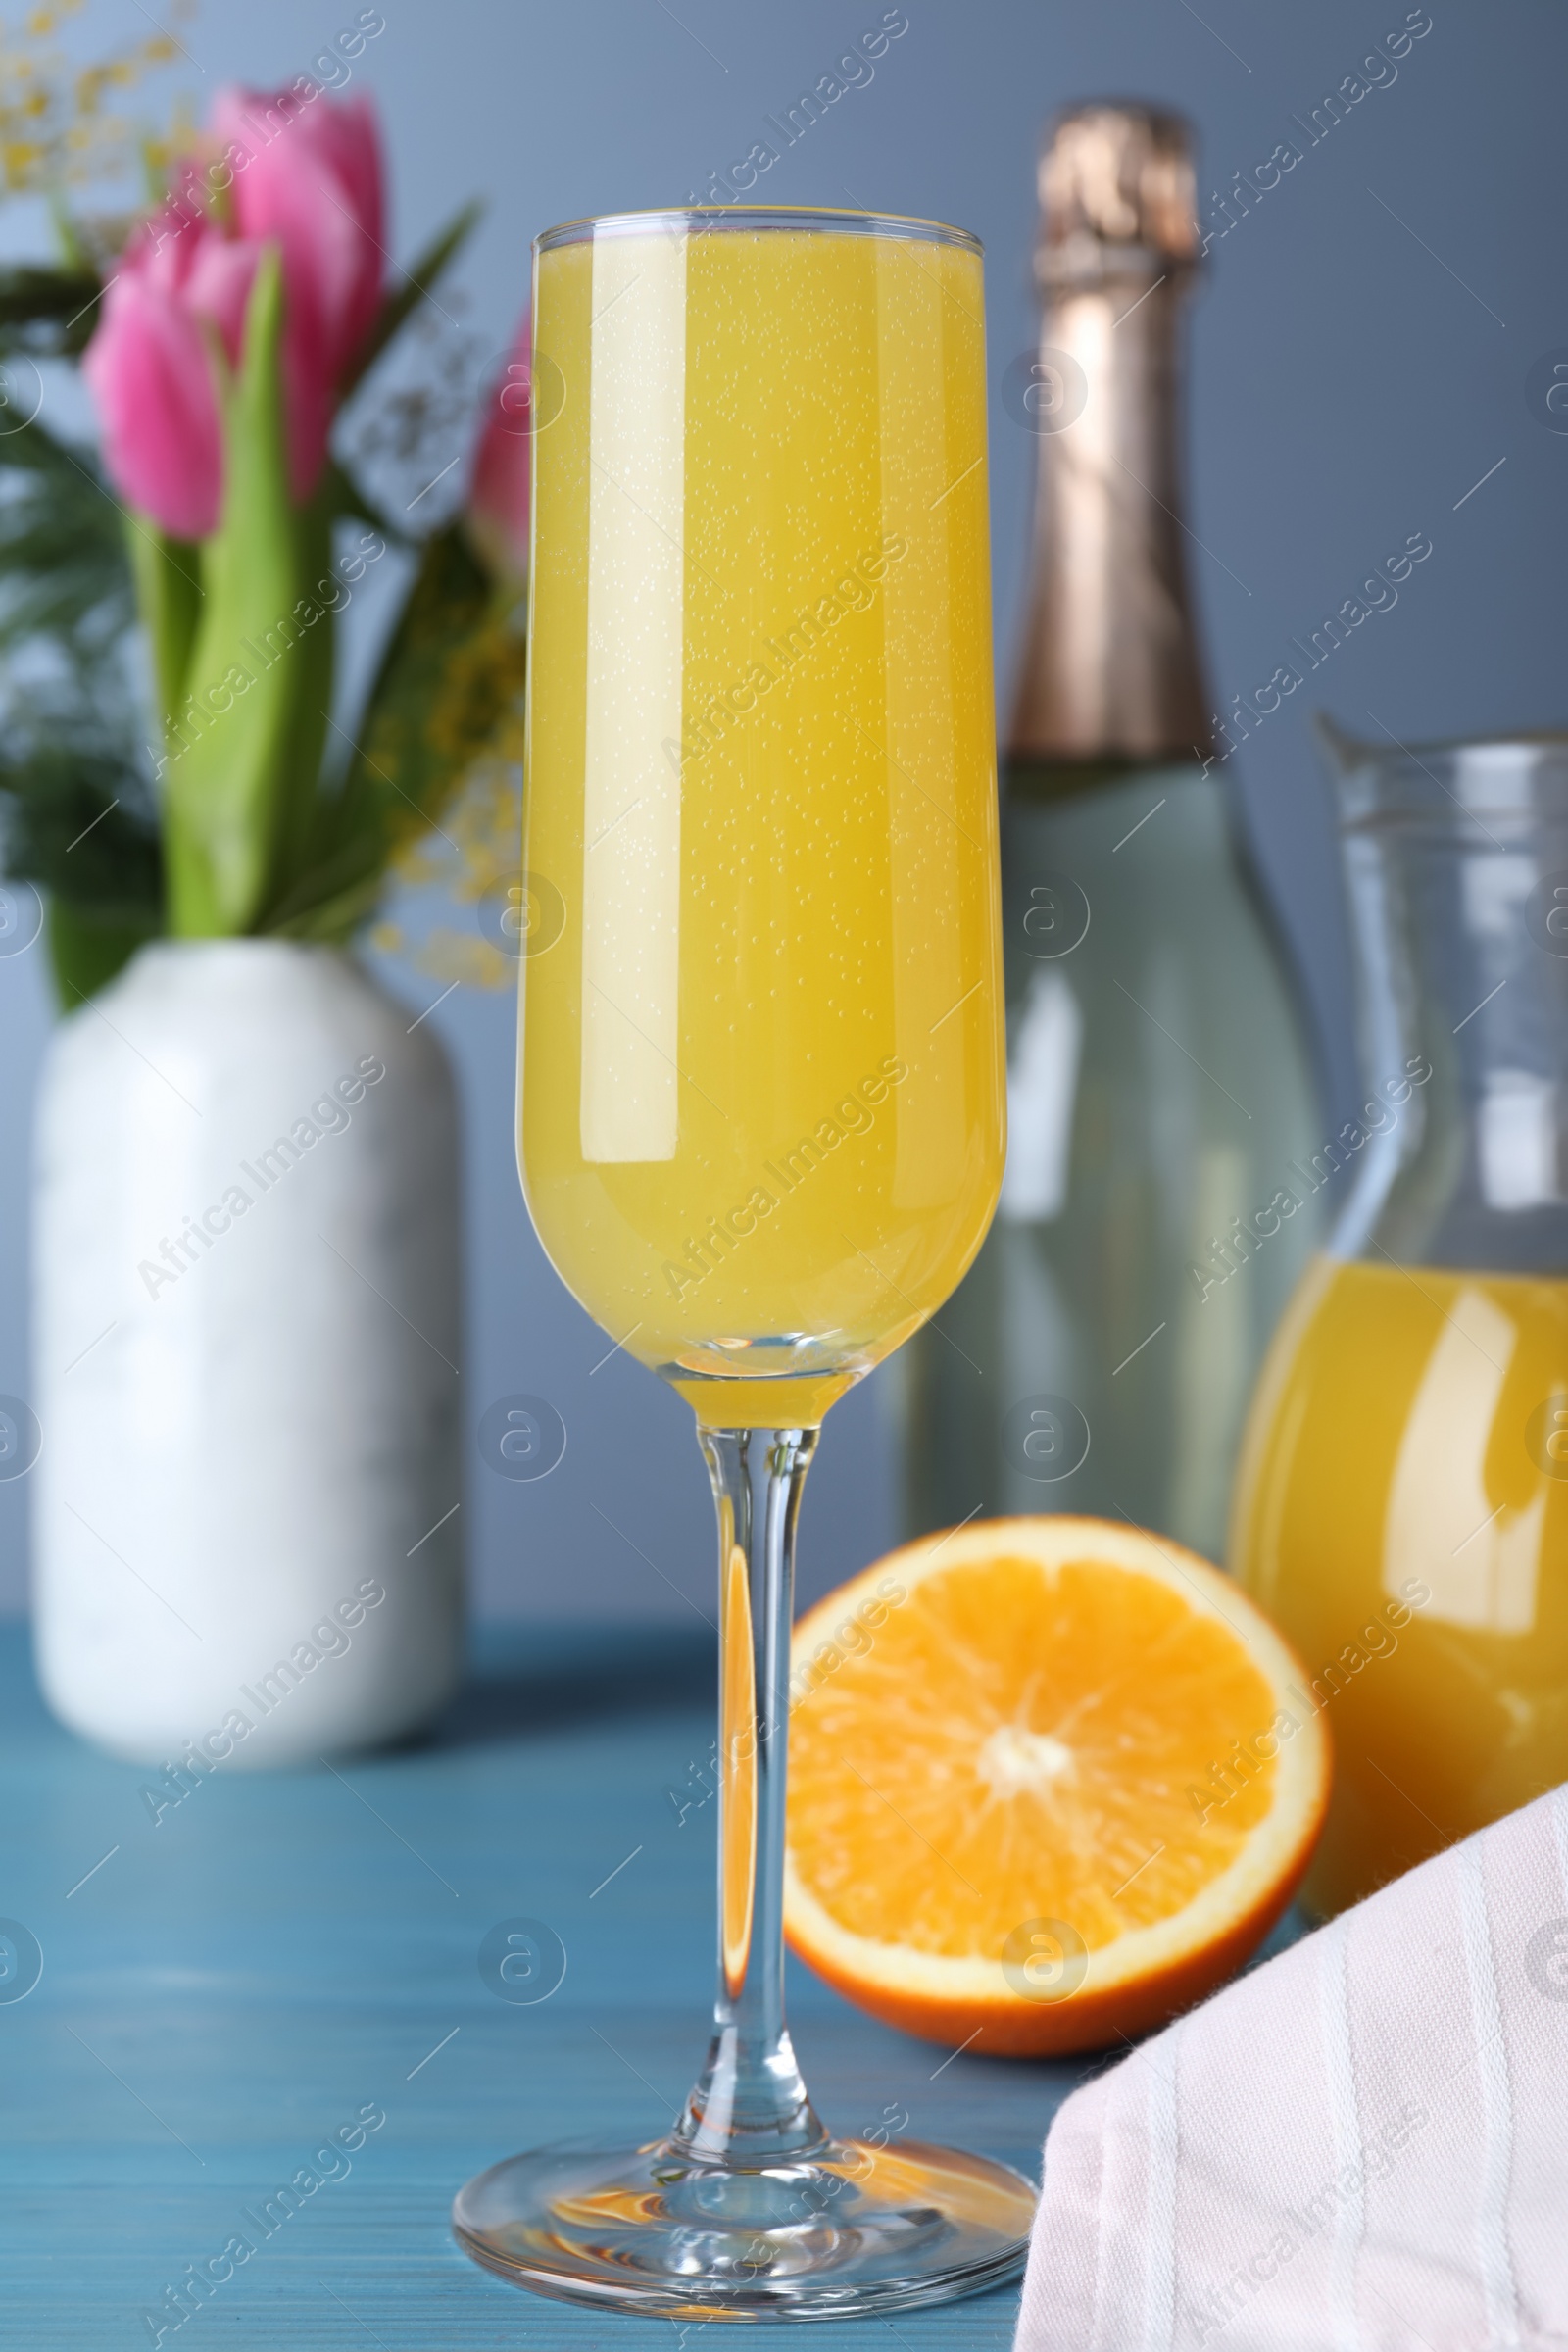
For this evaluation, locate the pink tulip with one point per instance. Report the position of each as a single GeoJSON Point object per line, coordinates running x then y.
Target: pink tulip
{"type": "Point", "coordinates": [218, 274]}
{"type": "Point", "coordinates": [309, 175]}
{"type": "Point", "coordinates": [300, 173]}
{"type": "Point", "coordinates": [150, 370]}
{"type": "Point", "coordinates": [497, 501]}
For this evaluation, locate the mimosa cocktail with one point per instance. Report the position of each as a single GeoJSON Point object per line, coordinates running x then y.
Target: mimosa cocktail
{"type": "Point", "coordinates": [761, 1099]}
{"type": "Point", "coordinates": [761, 1088]}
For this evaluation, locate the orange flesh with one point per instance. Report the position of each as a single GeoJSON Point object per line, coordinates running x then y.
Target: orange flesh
{"type": "Point", "coordinates": [1023, 1740]}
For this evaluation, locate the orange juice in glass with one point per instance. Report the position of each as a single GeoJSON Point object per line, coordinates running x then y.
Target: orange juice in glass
{"type": "Point", "coordinates": [761, 1118]}
{"type": "Point", "coordinates": [762, 1109]}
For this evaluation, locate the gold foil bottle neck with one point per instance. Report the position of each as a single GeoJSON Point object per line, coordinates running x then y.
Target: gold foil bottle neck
{"type": "Point", "coordinates": [1110, 670]}
{"type": "Point", "coordinates": [1117, 195]}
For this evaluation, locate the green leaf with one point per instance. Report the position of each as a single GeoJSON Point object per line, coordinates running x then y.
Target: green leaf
{"type": "Point", "coordinates": [78, 816]}
{"type": "Point", "coordinates": [81, 824]}
{"type": "Point", "coordinates": [455, 664]}
{"type": "Point", "coordinates": [337, 897]}
{"type": "Point", "coordinates": [245, 747]}
{"type": "Point", "coordinates": [168, 592]}
{"type": "Point", "coordinates": [86, 950]}
{"type": "Point", "coordinates": [417, 284]}
{"type": "Point", "coordinates": [347, 499]}
{"type": "Point", "coordinates": [48, 311]}
{"type": "Point", "coordinates": [64, 573]}
{"type": "Point", "coordinates": [452, 671]}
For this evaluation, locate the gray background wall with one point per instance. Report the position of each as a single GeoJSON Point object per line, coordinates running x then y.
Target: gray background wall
{"type": "Point", "coordinates": [1358, 363]}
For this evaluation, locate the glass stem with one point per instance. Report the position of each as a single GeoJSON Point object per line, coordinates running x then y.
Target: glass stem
{"type": "Point", "coordinates": [750, 2105]}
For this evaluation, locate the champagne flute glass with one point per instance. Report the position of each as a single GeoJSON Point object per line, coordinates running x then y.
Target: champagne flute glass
{"type": "Point", "coordinates": [761, 1079]}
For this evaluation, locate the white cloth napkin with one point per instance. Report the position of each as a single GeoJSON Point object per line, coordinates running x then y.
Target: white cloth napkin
{"type": "Point", "coordinates": [1363, 2146]}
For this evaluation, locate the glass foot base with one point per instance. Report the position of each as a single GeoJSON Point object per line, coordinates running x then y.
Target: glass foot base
{"type": "Point", "coordinates": [850, 2228]}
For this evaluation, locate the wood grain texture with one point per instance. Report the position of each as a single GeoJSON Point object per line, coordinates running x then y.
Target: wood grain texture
{"type": "Point", "coordinates": [240, 1979]}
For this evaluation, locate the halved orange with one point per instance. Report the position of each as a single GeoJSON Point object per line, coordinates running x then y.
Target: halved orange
{"type": "Point", "coordinates": [1051, 1780]}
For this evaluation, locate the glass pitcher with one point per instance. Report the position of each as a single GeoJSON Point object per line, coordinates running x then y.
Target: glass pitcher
{"type": "Point", "coordinates": [1402, 1503]}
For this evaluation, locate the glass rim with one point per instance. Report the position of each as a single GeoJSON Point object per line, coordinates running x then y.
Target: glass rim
{"type": "Point", "coordinates": [1441, 788]}
{"type": "Point", "coordinates": [1521, 739]}
{"type": "Point", "coordinates": [702, 220]}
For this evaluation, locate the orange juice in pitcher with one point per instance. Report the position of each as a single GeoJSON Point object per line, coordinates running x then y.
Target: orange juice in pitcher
{"type": "Point", "coordinates": [1401, 1506]}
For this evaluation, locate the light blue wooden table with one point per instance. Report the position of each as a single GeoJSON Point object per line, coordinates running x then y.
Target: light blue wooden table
{"type": "Point", "coordinates": [224, 1990]}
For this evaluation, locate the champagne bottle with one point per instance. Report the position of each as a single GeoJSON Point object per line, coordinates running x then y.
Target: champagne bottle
{"type": "Point", "coordinates": [1100, 1354]}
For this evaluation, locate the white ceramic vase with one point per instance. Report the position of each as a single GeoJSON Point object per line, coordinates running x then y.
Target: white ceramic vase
{"type": "Point", "coordinates": [246, 1345]}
